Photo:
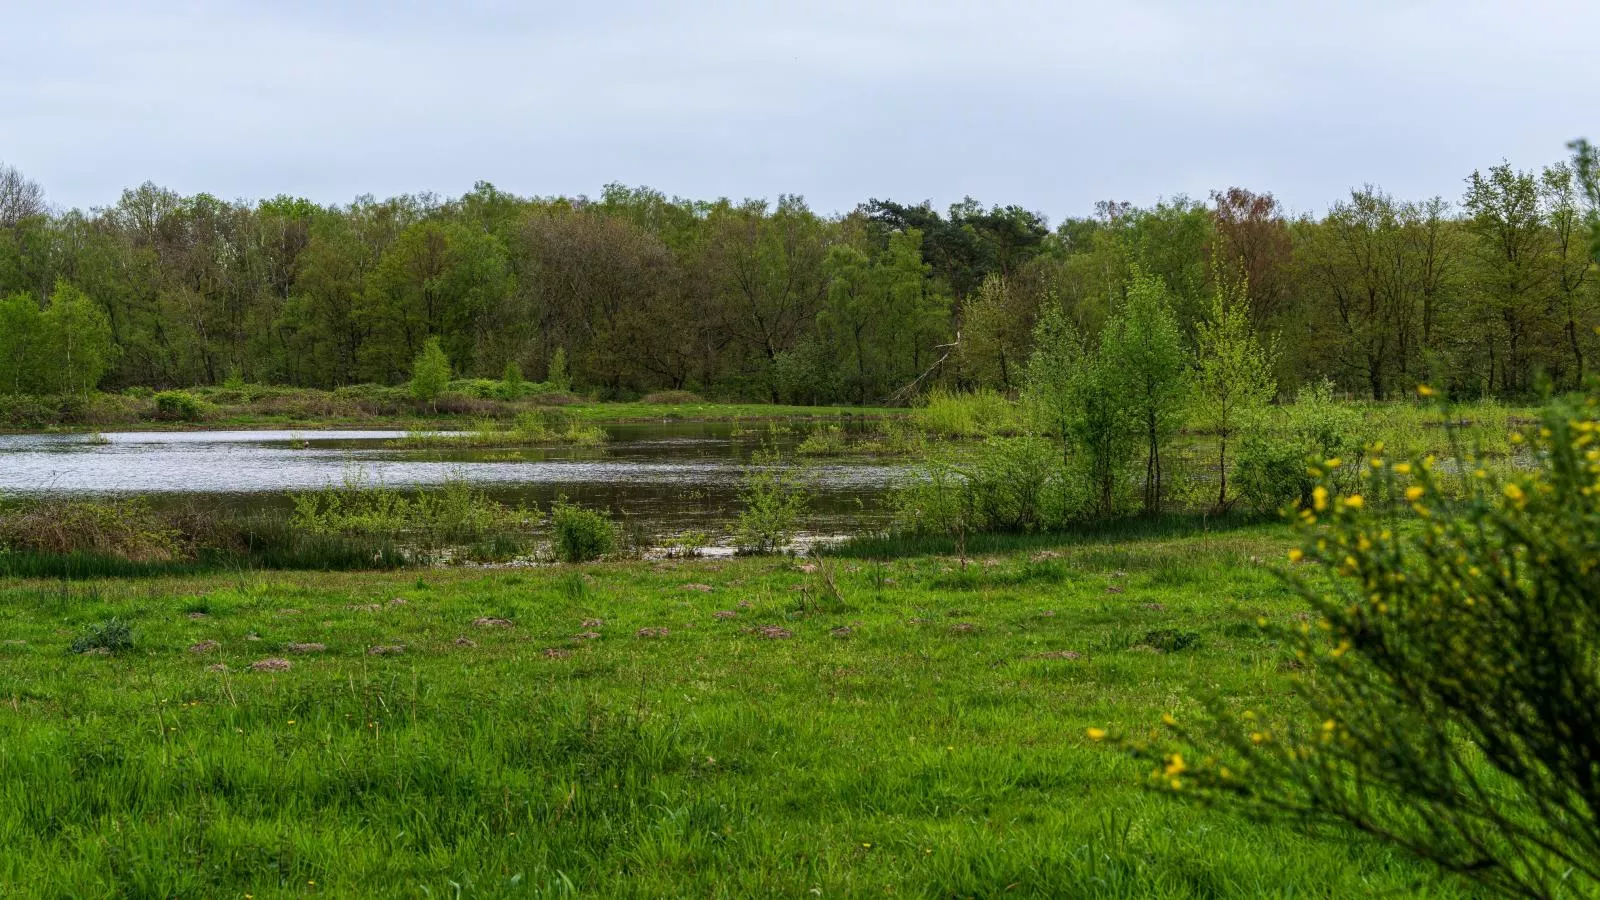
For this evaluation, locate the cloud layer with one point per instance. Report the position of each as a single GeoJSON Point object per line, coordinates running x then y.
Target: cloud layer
{"type": "Point", "coordinates": [1049, 104]}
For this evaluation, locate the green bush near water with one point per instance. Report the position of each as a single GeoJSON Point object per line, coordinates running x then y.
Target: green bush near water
{"type": "Point", "coordinates": [581, 535]}
{"type": "Point", "coordinates": [179, 405]}
{"type": "Point", "coordinates": [772, 498]}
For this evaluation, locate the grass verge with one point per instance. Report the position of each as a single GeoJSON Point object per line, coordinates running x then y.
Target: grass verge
{"type": "Point", "coordinates": [753, 727]}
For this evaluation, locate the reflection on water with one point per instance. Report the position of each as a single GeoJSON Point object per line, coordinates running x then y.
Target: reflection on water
{"type": "Point", "coordinates": [663, 478]}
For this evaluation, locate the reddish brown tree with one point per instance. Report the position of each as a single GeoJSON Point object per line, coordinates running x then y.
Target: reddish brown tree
{"type": "Point", "coordinates": [1252, 242]}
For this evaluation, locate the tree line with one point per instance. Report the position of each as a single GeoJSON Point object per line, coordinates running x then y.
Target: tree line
{"type": "Point", "coordinates": [1492, 294]}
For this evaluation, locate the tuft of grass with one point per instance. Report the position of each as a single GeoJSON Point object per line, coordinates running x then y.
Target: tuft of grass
{"type": "Point", "coordinates": [111, 636]}
{"type": "Point", "coordinates": [973, 414]}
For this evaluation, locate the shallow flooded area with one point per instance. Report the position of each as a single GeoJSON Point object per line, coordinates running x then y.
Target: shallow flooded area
{"type": "Point", "coordinates": [662, 479]}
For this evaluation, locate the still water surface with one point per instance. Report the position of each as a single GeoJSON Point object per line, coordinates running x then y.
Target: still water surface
{"type": "Point", "coordinates": [665, 478]}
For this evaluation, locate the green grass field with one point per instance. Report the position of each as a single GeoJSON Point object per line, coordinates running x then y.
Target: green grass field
{"type": "Point", "coordinates": [901, 728]}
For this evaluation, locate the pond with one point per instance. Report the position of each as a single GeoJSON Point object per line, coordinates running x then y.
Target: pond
{"type": "Point", "coordinates": [664, 479]}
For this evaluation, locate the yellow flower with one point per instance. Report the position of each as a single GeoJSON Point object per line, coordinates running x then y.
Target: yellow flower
{"type": "Point", "coordinates": [1402, 468]}
{"type": "Point", "coordinates": [1296, 555]}
{"type": "Point", "coordinates": [1319, 498]}
{"type": "Point", "coordinates": [291, 721]}
{"type": "Point", "coordinates": [1176, 765]}
{"type": "Point", "coordinates": [1414, 493]}
{"type": "Point", "coordinates": [1334, 463]}
{"type": "Point", "coordinates": [1424, 391]}
{"type": "Point", "coordinates": [1354, 501]}
{"type": "Point", "coordinates": [1515, 494]}
{"type": "Point", "coordinates": [1168, 720]}
{"type": "Point", "coordinates": [1095, 734]}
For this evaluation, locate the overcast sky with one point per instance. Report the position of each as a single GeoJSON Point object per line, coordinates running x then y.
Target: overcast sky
{"type": "Point", "coordinates": [1052, 104]}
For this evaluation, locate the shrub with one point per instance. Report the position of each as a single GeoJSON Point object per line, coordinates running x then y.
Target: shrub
{"type": "Point", "coordinates": [477, 388]}
{"type": "Point", "coordinates": [180, 406]}
{"type": "Point", "coordinates": [556, 376]}
{"type": "Point", "coordinates": [1014, 484]}
{"type": "Point", "coordinates": [511, 383]}
{"type": "Point", "coordinates": [430, 372]}
{"type": "Point", "coordinates": [1020, 484]}
{"type": "Point", "coordinates": [1270, 471]}
{"type": "Point", "coordinates": [773, 499]}
{"type": "Point", "coordinates": [426, 523]}
{"type": "Point", "coordinates": [579, 534]}
{"type": "Point", "coordinates": [976, 414]}
{"type": "Point", "coordinates": [825, 441]}
{"type": "Point", "coordinates": [128, 529]}
{"type": "Point", "coordinates": [1450, 678]}
{"type": "Point", "coordinates": [111, 636]}
{"type": "Point", "coordinates": [26, 411]}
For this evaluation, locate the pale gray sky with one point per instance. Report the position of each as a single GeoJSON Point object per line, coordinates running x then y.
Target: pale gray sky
{"type": "Point", "coordinates": [1052, 104]}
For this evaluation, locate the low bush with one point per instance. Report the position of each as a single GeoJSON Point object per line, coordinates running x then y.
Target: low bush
{"type": "Point", "coordinates": [773, 499]}
{"type": "Point", "coordinates": [128, 529]}
{"type": "Point", "coordinates": [455, 511]}
{"type": "Point", "coordinates": [1447, 687]}
{"type": "Point", "coordinates": [828, 440]}
{"type": "Point", "coordinates": [1011, 484]}
{"type": "Point", "coordinates": [1270, 472]}
{"type": "Point", "coordinates": [581, 535]}
{"type": "Point", "coordinates": [961, 415]}
{"type": "Point", "coordinates": [179, 406]}
{"type": "Point", "coordinates": [27, 411]}
{"type": "Point", "coordinates": [111, 636]}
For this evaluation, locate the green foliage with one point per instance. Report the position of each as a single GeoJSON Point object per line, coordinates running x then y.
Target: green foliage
{"type": "Point", "coordinates": [430, 372]}
{"type": "Point", "coordinates": [1008, 485]}
{"type": "Point", "coordinates": [427, 523]}
{"type": "Point", "coordinates": [1234, 378]}
{"type": "Point", "coordinates": [127, 529]}
{"type": "Point", "coordinates": [1449, 678]}
{"type": "Point", "coordinates": [1276, 454]}
{"type": "Point", "coordinates": [1586, 165]}
{"type": "Point", "coordinates": [1077, 390]}
{"type": "Point", "coordinates": [556, 373]}
{"type": "Point", "coordinates": [579, 534]}
{"type": "Point", "coordinates": [1270, 471]}
{"type": "Point", "coordinates": [829, 440]}
{"type": "Point", "coordinates": [806, 374]}
{"type": "Point", "coordinates": [110, 636]}
{"type": "Point", "coordinates": [512, 385]}
{"type": "Point", "coordinates": [64, 348]}
{"type": "Point", "coordinates": [180, 405]}
{"type": "Point", "coordinates": [637, 292]}
{"type": "Point", "coordinates": [881, 314]}
{"type": "Point", "coordinates": [772, 498]}
{"type": "Point", "coordinates": [1145, 364]}
{"type": "Point", "coordinates": [977, 413]}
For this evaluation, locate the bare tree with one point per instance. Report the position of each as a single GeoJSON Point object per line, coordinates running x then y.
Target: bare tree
{"type": "Point", "coordinates": [20, 198]}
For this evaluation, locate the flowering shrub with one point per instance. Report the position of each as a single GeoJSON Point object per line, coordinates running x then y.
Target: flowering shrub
{"type": "Point", "coordinates": [1450, 675]}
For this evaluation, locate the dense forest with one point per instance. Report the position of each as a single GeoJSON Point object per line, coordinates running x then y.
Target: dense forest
{"type": "Point", "coordinates": [1491, 294]}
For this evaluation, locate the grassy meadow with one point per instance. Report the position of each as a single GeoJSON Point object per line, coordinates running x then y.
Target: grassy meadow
{"type": "Point", "coordinates": [845, 726]}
